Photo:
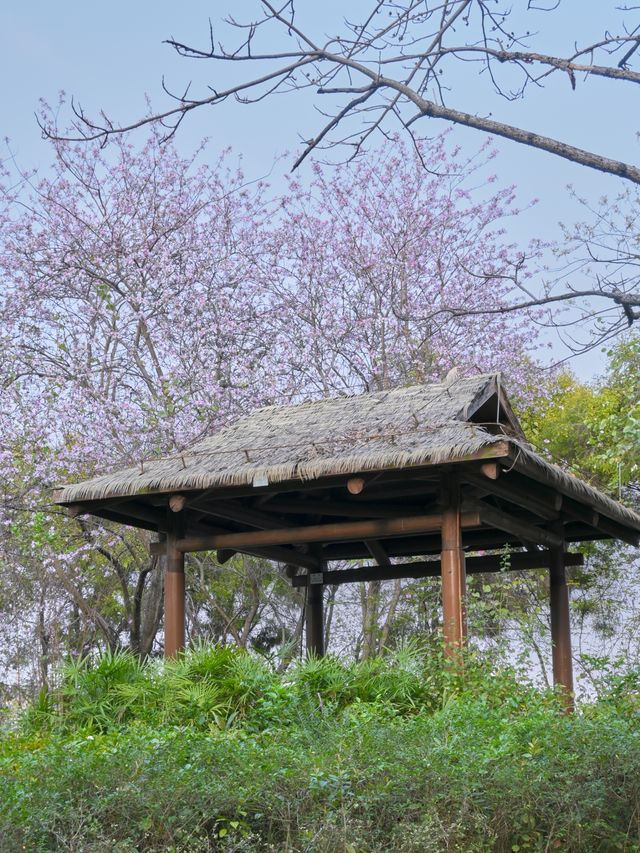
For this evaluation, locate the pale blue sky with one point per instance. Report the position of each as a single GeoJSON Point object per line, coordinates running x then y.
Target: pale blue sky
{"type": "Point", "coordinates": [109, 55]}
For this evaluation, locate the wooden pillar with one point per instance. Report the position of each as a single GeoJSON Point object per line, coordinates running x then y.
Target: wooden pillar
{"type": "Point", "coordinates": [315, 620]}
{"type": "Point", "coordinates": [173, 598]}
{"type": "Point", "coordinates": [453, 571]}
{"type": "Point", "coordinates": [560, 627]}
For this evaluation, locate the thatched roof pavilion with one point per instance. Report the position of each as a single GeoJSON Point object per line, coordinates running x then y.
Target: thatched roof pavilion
{"type": "Point", "coordinates": [419, 471]}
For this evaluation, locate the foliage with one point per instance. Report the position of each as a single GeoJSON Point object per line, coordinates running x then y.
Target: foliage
{"type": "Point", "coordinates": [220, 686]}
{"type": "Point", "coordinates": [593, 428]}
{"type": "Point", "coordinates": [403, 756]}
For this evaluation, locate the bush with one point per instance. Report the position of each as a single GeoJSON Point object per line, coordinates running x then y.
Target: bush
{"type": "Point", "coordinates": [403, 755]}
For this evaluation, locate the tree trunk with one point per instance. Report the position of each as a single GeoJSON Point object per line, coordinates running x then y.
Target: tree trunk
{"type": "Point", "coordinates": [329, 606]}
{"type": "Point", "coordinates": [151, 610]}
{"type": "Point", "coordinates": [370, 620]}
{"type": "Point", "coordinates": [391, 613]}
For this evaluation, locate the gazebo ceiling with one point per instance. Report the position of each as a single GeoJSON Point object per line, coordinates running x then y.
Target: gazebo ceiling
{"type": "Point", "coordinates": [261, 484]}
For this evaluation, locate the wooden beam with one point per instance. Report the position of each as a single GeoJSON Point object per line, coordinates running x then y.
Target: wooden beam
{"type": "Point", "coordinates": [224, 555]}
{"type": "Point", "coordinates": [525, 531]}
{"type": "Point", "coordinates": [406, 547]}
{"type": "Point", "coordinates": [177, 503]}
{"type": "Point", "coordinates": [491, 470]}
{"type": "Point", "coordinates": [452, 566]}
{"type": "Point", "coordinates": [278, 555]}
{"type": "Point", "coordinates": [109, 515]}
{"type": "Point", "coordinates": [431, 568]}
{"type": "Point", "coordinates": [315, 616]}
{"type": "Point", "coordinates": [377, 552]}
{"type": "Point", "coordinates": [617, 531]}
{"type": "Point", "coordinates": [610, 527]}
{"type": "Point", "coordinates": [419, 546]}
{"type": "Point", "coordinates": [122, 512]}
{"type": "Point", "coordinates": [286, 556]}
{"type": "Point", "coordinates": [481, 539]}
{"type": "Point", "coordinates": [174, 595]}
{"type": "Point", "coordinates": [335, 532]}
{"type": "Point", "coordinates": [401, 490]}
{"type": "Point", "coordinates": [231, 511]}
{"type": "Point", "coordinates": [578, 512]}
{"type": "Point", "coordinates": [588, 515]}
{"type": "Point", "coordinates": [498, 450]}
{"type": "Point", "coordinates": [89, 507]}
{"type": "Point", "coordinates": [547, 508]}
{"type": "Point", "coordinates": [324, 484]}
{"type": "Point", "coordinates": [355, 485]}
{"type": "Point", "coordinates": [75, 510]}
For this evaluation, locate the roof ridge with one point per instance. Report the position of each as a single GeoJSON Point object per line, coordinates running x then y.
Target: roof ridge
{"type": "Point", "coordinates": [397, 389]}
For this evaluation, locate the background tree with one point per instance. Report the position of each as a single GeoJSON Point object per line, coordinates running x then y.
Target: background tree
{"type": "Point", "coordinates": [398, 63]}
{"type": "Point", "coordinates": [148, 300]}
{"type": "Point", "coordinates": [591, 429]}
{"type": "Point", "coordinates": [370, 255]}
{"type": "Point", "coordinates": [129, 327]}
{"type": "Point", "coordinates": [602, 252]}
{"type": "Point", "coordinates": [395, 63]}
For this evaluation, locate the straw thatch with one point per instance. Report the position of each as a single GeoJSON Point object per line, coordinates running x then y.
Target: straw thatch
{"type": "Point", "coordinates": [377, 431]}
{"type": "Point", "coordinates": [380, 431]}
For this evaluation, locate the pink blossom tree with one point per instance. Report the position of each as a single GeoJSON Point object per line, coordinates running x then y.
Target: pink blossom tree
{"type": "Point", "coordinates": [147, 300]}
{"type": "Point", "coordinates": [383, 271]}
{"type": "Point", "coordinates": [130, 323]}
{"type": "Point", "coordinates": [131, 308]}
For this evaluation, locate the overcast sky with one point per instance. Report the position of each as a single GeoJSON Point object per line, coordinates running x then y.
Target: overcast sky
{"type": "Point", "coordinates": [109, 55]}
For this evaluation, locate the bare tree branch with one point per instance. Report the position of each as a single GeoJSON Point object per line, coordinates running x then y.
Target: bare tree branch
{"type": "Point", "coordinates": [400, 56]}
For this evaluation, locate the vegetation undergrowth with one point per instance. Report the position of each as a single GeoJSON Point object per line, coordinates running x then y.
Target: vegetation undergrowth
{"type": "Point", "coordinates": [217, 751]}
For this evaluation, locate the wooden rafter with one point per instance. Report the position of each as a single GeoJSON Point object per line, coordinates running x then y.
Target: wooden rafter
{"type": "Point", "coordinates": [233, 511]}
{"type": "Point", "coordinates": [545, 506]}
{"type": "Point", "coordinates": [523, 530]}
{"type": "Point", "coordinates": [410, 546]}
{"type": "Point", "coordinates": [119, 511]}
{"type": "Point", "coordinates": [377, 552]}
{"type": "Point", "coordinates": [588, 515]}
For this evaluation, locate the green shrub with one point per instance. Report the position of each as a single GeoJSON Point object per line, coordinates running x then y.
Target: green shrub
{"type": "Point", "coordinates": [402, 755]}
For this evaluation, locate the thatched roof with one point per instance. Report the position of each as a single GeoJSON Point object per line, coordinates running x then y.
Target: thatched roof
{"type": "Point", "coordinates": [381, 431]}
{"type": "Point", "coordinates": [377, 431]}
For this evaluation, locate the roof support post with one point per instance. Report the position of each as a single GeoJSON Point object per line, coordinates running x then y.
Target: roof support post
{"type": "Point", "coordinates": [453, 570]}
{"type": "Point", "coordinates": [174, 634]}
{"type": "Point", "coordinates": [315, 614]}
{"type": "Point", "coordinates": [561, 628]}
